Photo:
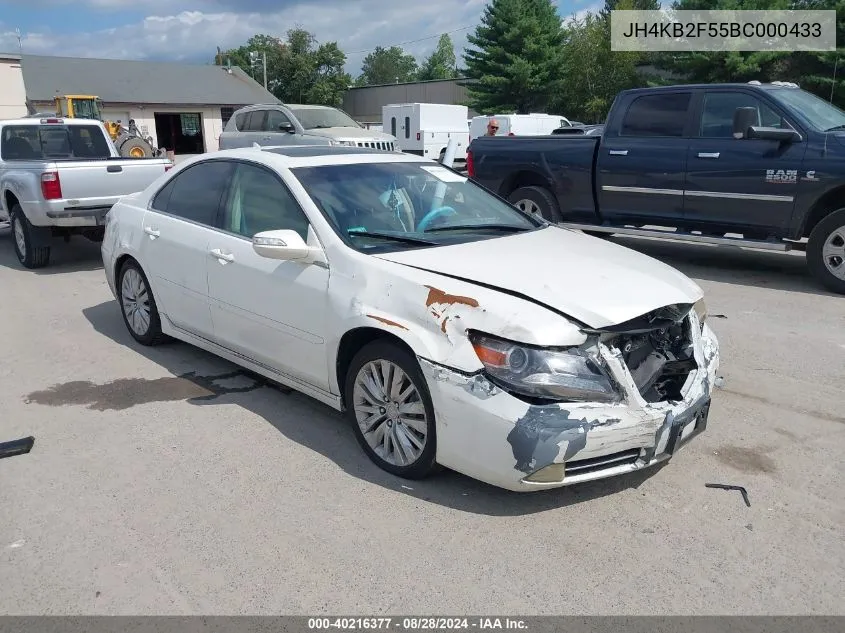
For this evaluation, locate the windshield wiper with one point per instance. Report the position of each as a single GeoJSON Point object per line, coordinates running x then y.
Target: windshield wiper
{"type": "Point", "coordinates": [395, 238]}
{"type": "Point", "coordinates": [836, 127]}
{"type": "Point", "coordinates": [485, 227]}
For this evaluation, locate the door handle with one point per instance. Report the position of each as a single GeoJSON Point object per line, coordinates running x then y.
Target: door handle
{"type": "Point", "coordinates": [114, 169]}
{"type": "Point", "coordinates": [619, 152]}
{"type": "Point", "coordinates": [267, 138]}
{"type": "Point", "coordinates": [223, 257]}
{"type": "Point", "coordinates": [153, 233]}
{"type": "Point", "coordinates": [708, 154]}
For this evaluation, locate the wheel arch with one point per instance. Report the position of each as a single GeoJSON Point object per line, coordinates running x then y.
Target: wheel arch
{"type": "Point", "coordinates": [523, 178]}
{"type": "Point", "coordinates": [824, 206]}
{"type": "Point", "coordinates": [353, 341]}
{"type": "Point", "coordinates": [9, 200]}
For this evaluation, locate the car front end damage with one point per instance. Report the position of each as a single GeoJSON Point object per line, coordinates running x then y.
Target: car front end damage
{"type": "Point", "coordinates": [644, 394]}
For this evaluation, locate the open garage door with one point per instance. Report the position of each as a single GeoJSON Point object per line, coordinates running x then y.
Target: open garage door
{"type": "Point", "coordinates": [180, 132]}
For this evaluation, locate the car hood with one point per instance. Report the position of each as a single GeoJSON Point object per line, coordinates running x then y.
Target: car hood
{"type": "Point", "coordinates": [352, 133]}
{"type": "Point", "coordinates": [599, 283]}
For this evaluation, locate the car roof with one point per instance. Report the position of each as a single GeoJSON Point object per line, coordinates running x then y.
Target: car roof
{"type": "Point", "coordinates": [37, 121]}
{"type": "Point", "coordinates": [289, 157]}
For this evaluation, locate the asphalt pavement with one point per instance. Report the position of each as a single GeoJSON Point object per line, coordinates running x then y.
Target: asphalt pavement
{"type": "Point", "coordinates": [165, 481]}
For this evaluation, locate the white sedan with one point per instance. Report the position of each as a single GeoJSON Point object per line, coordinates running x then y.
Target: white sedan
{"type": "Point", "coordinates": [450, 327]}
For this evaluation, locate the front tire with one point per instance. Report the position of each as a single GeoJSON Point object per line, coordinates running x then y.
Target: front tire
{"type": "Point", "coordinates": [826, 251]}
{"type": "Point", "coordinates": [389, 406]}
{"type": "Point", "coordinates": [29, 255]}
{"type": "Point", "coordinates": [138, 305]}
{"type": "Point", "coordinates": [536, 201]}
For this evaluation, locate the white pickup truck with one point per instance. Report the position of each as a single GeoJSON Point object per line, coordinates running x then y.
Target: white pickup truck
{"type": "Point", "coordinates": [59, 177]}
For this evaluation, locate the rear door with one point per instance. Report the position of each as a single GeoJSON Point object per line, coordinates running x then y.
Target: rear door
{"type": "Point", "coordinates": [641, 165]}
{"type": "Point", "coordinates": [746, 184]}
{"type": "Point", "coordinates": [174, 249]}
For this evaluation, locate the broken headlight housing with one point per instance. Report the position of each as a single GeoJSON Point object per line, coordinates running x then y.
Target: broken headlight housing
{"type": "Point", "coordinates": [560, 374]}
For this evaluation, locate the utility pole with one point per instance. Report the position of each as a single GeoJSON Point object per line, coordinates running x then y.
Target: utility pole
{"type": "Point", "coordinates": [264, 59]}
{"type": "Point", "coordinates": [20, 44]}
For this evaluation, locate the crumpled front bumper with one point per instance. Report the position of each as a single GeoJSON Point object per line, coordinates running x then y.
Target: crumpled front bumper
{"type": "Point", "coordinates": [490, 435]}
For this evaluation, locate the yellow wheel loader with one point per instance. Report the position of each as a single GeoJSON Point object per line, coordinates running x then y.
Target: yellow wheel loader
{"type": "Point", "coordinates": [127, 140]}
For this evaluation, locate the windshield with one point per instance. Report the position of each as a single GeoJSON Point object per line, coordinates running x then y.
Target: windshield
{"type": "Point", "coordinates": [316, 118]}
{"type": "Point", "coordinates": [378, 207]}
{"type": "Point", "coordinates": [817, 112]}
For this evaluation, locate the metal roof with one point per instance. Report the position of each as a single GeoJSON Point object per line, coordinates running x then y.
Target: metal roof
{"type": "Point", "coordinates": [130, 81]}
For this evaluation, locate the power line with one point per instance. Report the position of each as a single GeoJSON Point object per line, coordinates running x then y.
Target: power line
{"type": "Point", "coordinates": [422, 39]}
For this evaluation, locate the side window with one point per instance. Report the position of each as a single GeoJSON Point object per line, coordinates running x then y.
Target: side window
{"type": "Point", "coordinates": [393, 126]}
{"type": "Point", "coordinates": [407, 127]}
{"type": "Point", "coordinates": [657, 115]}
{"type": "Point", "coordinates": [226, 113]}
{"type": "Point", "coordinates": [275, 121]}
{"type": "Point", "coordinates": [718, 113]}
{"type": "Point", "coordinates": [259, 201]}
{"type": "Point", "coordinates": [255, 121]}
{"type": "Point", "coordinates": [240, 121]}
{"type": "Point", "coordinates": [194, 194]}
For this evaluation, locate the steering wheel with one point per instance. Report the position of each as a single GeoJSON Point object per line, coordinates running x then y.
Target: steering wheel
{"type": "Point", "coordinates": [432, 215]}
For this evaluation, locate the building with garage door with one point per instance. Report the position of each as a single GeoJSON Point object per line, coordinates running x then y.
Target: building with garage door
{"type": "Point", "coordinates": [184, 107]}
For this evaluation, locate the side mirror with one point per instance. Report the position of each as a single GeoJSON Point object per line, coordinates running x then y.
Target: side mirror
{"type": "Point", "coordinates": [282, 244]}
{"type": "Point", "coordinates": [744, 118]}
{"type": "Point", "coordinates": [286, 127]}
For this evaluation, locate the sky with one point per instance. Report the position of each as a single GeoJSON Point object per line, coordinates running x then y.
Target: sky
{"type": "Point", "coordinates": [191, 30]}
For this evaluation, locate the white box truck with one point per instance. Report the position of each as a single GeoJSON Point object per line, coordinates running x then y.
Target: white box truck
{"type": "Point", "coordinates": [426, 128]}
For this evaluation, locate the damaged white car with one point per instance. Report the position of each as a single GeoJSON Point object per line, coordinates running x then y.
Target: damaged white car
{"type": "Point", "coordinates": [450, 327]}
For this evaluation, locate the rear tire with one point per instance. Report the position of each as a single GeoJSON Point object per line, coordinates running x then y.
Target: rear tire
{"type": "Point", "coordinates": [138, 305]}
{"type": "Point", "coordinates": [23, 238]}
{"type": "Point", "coordinates": [826, 251]}
{"type": "Point", "coordinates": [537, 201]}
{"type": "Point", "coordinates": [401, 437]}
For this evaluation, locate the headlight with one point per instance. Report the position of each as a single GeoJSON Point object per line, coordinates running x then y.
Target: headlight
{"type": "Point", "coordinates": [701, 310]}
{"type": "Point", "coordinates": [556, 374]}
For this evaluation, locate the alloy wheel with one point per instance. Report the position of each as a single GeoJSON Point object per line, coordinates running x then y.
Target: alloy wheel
{"type": "Point", "coordinates": [833, 253]}
{"type": "Point", "coordinates": [390, 412]}
{"type": "Point", "coordinates": [136, 301]}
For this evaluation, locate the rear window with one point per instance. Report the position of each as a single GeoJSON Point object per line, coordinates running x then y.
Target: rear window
{"type": "Point", "coordinates": [53, 142]}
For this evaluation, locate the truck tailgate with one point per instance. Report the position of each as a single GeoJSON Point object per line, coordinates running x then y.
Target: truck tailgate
{"type": "Point", "coordinates": [98, 182]}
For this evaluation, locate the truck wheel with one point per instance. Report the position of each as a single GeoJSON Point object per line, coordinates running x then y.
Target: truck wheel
{"type": "Point", "coordinates": [536, 201]}
{"type": "Point", "coordinates": [29, 255]}
{"type": "Point", "coordinates": [826, 251]}
{"type": "Point", "coordinates": [135, 147]}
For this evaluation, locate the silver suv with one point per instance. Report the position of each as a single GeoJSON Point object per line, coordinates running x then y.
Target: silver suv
{"type": "Point", "coordinates": [293, 124]}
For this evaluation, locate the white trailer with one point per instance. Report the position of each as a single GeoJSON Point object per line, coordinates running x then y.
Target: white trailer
{"type": "Point", "coordinates": [425, 128]}
{"type": "Point", "coordinates": [535, 124]}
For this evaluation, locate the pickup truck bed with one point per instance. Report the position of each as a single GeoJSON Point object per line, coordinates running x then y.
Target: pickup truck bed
{"type": "Point", "coordinates": [702, 163]}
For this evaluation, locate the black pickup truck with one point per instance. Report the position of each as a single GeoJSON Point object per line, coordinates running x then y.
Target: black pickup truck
{"type": "Point", "coordinates": [703, 163]}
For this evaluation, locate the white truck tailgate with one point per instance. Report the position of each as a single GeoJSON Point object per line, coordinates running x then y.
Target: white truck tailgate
{"type": "Point", "coordinates": [98, 180]}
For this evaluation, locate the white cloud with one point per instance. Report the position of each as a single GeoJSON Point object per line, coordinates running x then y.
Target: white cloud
{"type": "Point", "coordinates": [195, 35]}
{"type": "Point", "coordinates": [579, 15]}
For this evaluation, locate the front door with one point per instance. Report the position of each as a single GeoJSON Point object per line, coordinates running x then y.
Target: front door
{"type": "Point", "coordinates": [174, 246]}
{"type": "Point", "coordinates": [743, 183]}
{"type": "Point", "coordinates": [271, 311]}
{"type": "Point", "coordinates": [641, 166]}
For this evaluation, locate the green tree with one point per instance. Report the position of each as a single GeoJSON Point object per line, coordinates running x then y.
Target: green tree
{"type": "Point", "coordinates": [387, 66]}
{"type": "Point", "coordinates": [299, 69]}
{"type": "Point", "coordinates": [516, 56]}
{"type": "Point", "coordinates": [593, 74]}
{"type": "Point", "coordinates": [442, 63]}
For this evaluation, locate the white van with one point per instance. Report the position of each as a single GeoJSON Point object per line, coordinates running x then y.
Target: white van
{"type": "Point", "coordinates": [426, 128]}
{"type": "Point", "coordinates": [535, 124]}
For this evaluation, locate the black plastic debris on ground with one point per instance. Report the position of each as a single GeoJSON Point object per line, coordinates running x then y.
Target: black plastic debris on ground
{"type": "Point", "coordinates": [16, 447]}
{"type": "Point", "coordinates": [742, 490]}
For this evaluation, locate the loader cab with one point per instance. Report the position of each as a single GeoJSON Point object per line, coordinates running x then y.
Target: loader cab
{"type": "Point", "coordinates": [79, 107]}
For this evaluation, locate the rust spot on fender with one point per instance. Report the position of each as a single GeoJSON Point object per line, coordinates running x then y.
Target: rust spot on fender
{"type": "Point", "coordinates": [386, 321]}
{"type": "Point", "coordinates": [443, 325]}
{"type": "Point", "coordinates": [435, 295]}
